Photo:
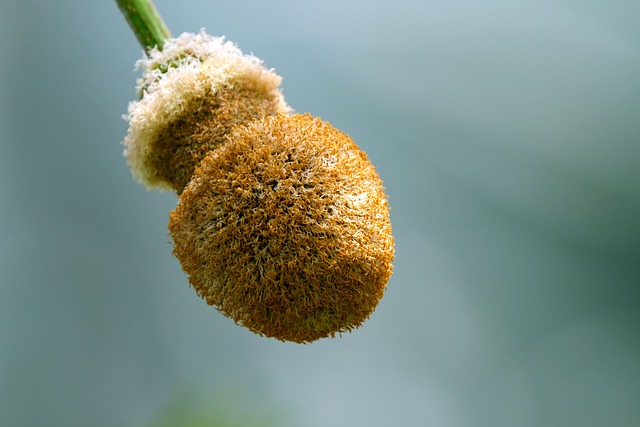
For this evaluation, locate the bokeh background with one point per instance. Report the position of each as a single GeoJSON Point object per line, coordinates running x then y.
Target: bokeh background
{"type": "Point", "coordinates": [508, 136]}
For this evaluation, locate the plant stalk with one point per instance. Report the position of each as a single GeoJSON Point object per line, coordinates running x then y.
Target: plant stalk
{"type": "Point", "coordinates": [145, 22]}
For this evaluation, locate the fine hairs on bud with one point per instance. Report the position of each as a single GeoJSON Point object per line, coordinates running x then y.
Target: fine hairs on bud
{"type": "Point", "coordinates": [194, 79]}
{"type": "Point", "coordinates": [282, 222]}
{"type": "Point", "coordinates": [285, 228]}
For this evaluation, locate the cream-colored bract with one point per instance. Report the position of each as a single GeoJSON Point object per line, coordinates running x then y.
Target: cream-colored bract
{"type": "Point", "coordinates": [188, 67]}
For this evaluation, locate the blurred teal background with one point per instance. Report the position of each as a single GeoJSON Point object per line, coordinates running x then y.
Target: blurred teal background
{"type": "Point", "coordinates": [508, 136]}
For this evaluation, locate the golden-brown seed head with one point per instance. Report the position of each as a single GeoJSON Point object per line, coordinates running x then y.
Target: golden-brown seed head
{"type": "Point", "coordinates": [285, 228]}
{"type": "Point", "coordinates": [193, 92]}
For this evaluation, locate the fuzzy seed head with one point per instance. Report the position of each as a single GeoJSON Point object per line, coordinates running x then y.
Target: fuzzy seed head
{"type": "Point", "coordinates": [285, 229]}
{"type": "Point", "coordinates": [194, 79]}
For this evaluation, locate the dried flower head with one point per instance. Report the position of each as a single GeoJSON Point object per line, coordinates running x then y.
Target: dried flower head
{"type": "Point", "coordinates": [285, 228]}
{"type": "Point", "coordinates": [194, 79]}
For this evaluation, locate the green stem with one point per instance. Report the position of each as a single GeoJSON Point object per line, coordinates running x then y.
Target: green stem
{"type": "Point", "coordinates": [145, 22]}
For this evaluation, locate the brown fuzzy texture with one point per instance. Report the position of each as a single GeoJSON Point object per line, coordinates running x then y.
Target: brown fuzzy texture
{"type": "Point", "coordinates": [192, 92]}
{"type": "Point", "coordinates": [285, 229]}
{"type": "Point", "coordinates": [184, 142]}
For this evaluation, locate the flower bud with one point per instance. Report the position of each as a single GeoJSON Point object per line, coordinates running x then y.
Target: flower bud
{"type": "Point", "coordinates": [285, 229]}
{"type": "Point", "coordinates": [282, 223]}
{"type": "Point", "coordinates": [194, 79]}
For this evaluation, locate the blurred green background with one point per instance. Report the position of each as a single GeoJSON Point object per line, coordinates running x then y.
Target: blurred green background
{"type": "Point", "coordinates": [508, 136]}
